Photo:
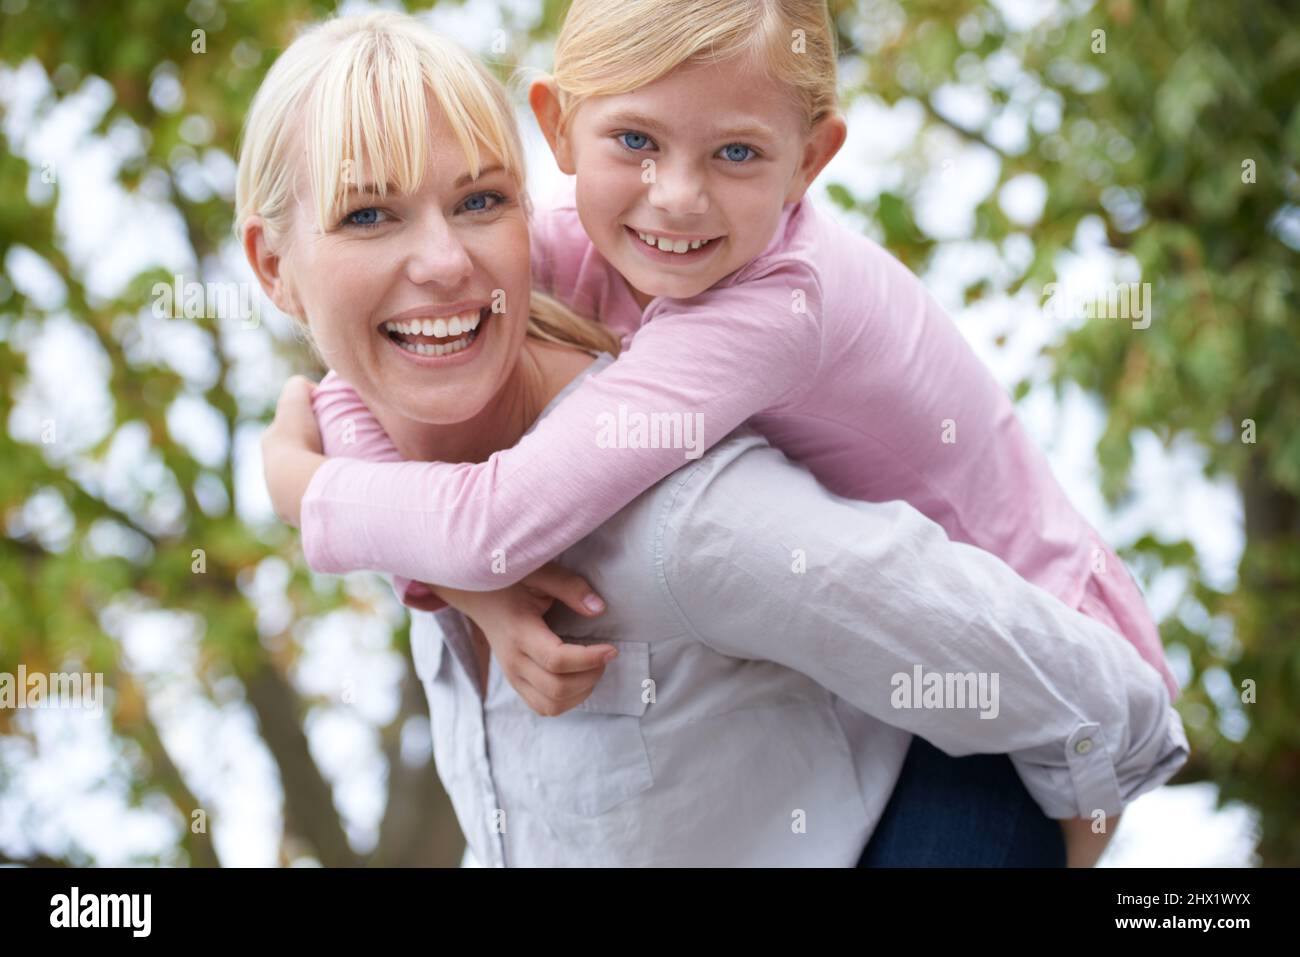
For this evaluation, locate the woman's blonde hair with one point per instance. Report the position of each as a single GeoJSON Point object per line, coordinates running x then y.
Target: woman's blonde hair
{"type": "Point", "coordinates": [357, 88]}
{"type": "Point", "coordinates": [607, 47]}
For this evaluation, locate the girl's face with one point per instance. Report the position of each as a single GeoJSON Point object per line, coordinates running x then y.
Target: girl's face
{"type": "Point", "coordinates": [401, 278]}
{"type": "Point", "coordinates": [682, 181]}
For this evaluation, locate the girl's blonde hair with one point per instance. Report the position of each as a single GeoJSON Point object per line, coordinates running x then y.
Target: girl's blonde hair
{"type": "Point", "coordinates": [607, 47]}
{"type": "Point", "coordinates": [356, 90]}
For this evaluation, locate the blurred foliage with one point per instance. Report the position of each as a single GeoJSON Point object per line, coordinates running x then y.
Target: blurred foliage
{"type": "Point", "coordinates": [1143, 134]}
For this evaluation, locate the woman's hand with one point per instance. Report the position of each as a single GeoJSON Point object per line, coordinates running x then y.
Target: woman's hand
{"type": "Point", "coordinates": [551, 675]}
{"type": "Point", "coordinates": [291, 449]}
{"type": "Point", "coordinates": [1083, 848]}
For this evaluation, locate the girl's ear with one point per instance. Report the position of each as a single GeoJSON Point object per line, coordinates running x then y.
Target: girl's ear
{"type": "Point", "coordinates": [544, 98]}
{"type": "Point", "coordinates": [823, 142]}
{"type": "Point", "coordinates": [266, 263]}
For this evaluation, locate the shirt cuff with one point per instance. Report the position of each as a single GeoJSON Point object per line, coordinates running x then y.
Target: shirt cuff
{"type": "Point", "coordinates": [1089, 779]}
{"type": "Point", "coordinates": [315, 520]}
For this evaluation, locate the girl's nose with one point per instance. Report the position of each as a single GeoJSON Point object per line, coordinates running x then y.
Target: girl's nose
{"type": "Point", "coordinates": [437, 255]}
{"type": "Point", "coordinates": [678, 192]}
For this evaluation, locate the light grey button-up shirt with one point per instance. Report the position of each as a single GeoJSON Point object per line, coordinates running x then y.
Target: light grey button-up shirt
{"type": "Point", "coordinates": [779, 646]}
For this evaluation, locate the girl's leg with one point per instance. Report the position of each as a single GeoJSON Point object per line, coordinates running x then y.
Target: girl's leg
{"type": "Point", "coordinates": [962, 812]}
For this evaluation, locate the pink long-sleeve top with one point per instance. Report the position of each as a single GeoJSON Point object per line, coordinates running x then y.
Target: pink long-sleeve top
{"type": "Point", "coordinates": [825, 343]}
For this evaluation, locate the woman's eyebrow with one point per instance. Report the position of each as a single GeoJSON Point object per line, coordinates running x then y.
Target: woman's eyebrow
{"type": "Point", "coordinates": [370, 189]}
{"type": "Point", "coordinates": [468, 177]}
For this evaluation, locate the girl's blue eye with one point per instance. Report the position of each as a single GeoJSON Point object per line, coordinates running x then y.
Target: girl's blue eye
{"type": "Point", "coordinates": [737, 152]}
{"type": "Point", "coordinates": [634, 141]}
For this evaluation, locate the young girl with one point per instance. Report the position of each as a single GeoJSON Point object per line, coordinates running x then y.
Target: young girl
{"type": "Point", "coordinates": [694, 128]}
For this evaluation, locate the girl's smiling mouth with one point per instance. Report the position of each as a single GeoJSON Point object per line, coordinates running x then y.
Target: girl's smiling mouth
{"type": "Point", "coordinates": [670, 250]}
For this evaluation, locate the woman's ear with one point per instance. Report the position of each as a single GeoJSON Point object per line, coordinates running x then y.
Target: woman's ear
{"type": "Point", "coordinates": [266, 263]}
{"type": "Point", "coordinates": [822, 143]}
{"type": "Point", "coordinates": [544, 98]}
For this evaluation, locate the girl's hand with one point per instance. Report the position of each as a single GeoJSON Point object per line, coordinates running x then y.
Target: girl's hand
{"type": "Point", "coordinates": [551, 675]}
{"type": "Point", "coordinates": [1083, 848]}
{"type": "Point", "coordinates": [291, 449]}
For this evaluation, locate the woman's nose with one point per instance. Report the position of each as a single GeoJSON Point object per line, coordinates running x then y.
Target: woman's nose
{"type": "Point", "coordinates": [437, 255]}
{"type": "Point", "coordinates": [678, 191]}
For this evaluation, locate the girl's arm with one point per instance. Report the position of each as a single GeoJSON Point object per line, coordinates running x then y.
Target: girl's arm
{"type": "Point", "coordinates": [350, 430]}
{"type": "Point", "coordinates": [550, 675]}
{"type": "Point", "coordinates": [689, 378]}
{"type": "Point", "coordinates": [315, 422]}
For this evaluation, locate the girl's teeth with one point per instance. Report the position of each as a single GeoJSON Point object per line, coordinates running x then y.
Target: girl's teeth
{"type": "Point", "coordinates": [673, 245]}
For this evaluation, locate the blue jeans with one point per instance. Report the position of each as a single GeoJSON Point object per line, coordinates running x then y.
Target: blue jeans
{"type": "Point", "coordinates": [971, 811]}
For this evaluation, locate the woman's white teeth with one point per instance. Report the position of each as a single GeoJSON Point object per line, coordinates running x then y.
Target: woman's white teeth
{"type": "Point", "coordinates": [461, 330]}
{"type": "Point", "coordinates": [437, 328]}
{"type": "Point", "coordinates": [673, 245]}
{"type": "Point", "coordinates": [437, 348]}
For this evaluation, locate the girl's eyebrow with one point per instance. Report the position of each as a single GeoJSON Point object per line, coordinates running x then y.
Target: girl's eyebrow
{"type": "Point", "coordinates": [753, 131]}
{"type": "Point", "coordinates": [628, 118]}
{"type": "Point", "coordinates": [751, 128]}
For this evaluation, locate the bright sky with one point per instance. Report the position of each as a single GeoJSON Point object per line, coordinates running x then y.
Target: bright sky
{"type": "Point", "coordinates": [70, 788]}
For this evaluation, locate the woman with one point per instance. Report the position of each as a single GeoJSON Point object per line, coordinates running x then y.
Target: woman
{"type": "Point", "coordinates": [770, 635]}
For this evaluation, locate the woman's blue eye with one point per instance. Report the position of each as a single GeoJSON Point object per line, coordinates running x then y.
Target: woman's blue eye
{"type": "Point", "coordinates": [737, 152]}
{"type": "Point", "coordinates": [472, 204]}
{"type": "Point", "coordinates": [369, 216]}
{"type": "Point", "coordinates": [634, 141]}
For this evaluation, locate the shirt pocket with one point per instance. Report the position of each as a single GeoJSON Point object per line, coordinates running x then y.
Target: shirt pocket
{"type": "Point", "coordinates": [593, 757]}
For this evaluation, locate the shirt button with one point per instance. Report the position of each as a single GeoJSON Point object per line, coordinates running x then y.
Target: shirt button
{"type": "Point", "coordinates": [1083, 746]}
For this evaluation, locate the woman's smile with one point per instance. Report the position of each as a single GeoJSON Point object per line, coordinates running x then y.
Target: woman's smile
{"type": "Point", "coordinates": [448, 340]}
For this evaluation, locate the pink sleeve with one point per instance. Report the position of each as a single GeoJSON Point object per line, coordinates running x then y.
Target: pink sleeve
{"type": "Point", "coordinates": [348, 428]}
{"type": "Point", "coordinates": [711, 362]}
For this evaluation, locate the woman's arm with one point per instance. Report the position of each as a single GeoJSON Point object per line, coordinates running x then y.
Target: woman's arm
{"type": "Point", "coordinates": [733, 353]}
{"type": "Point", "coordinates": [876, 604]}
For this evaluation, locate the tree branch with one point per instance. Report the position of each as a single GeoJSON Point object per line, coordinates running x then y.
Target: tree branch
{"type": "Point", "coordinates": [419, 828]}
{"type": "Point", "coordinates": [308, 799]}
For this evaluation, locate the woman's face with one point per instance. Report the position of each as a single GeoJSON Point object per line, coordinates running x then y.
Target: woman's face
{"type": "Point", "coordinates": [385, 289]}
